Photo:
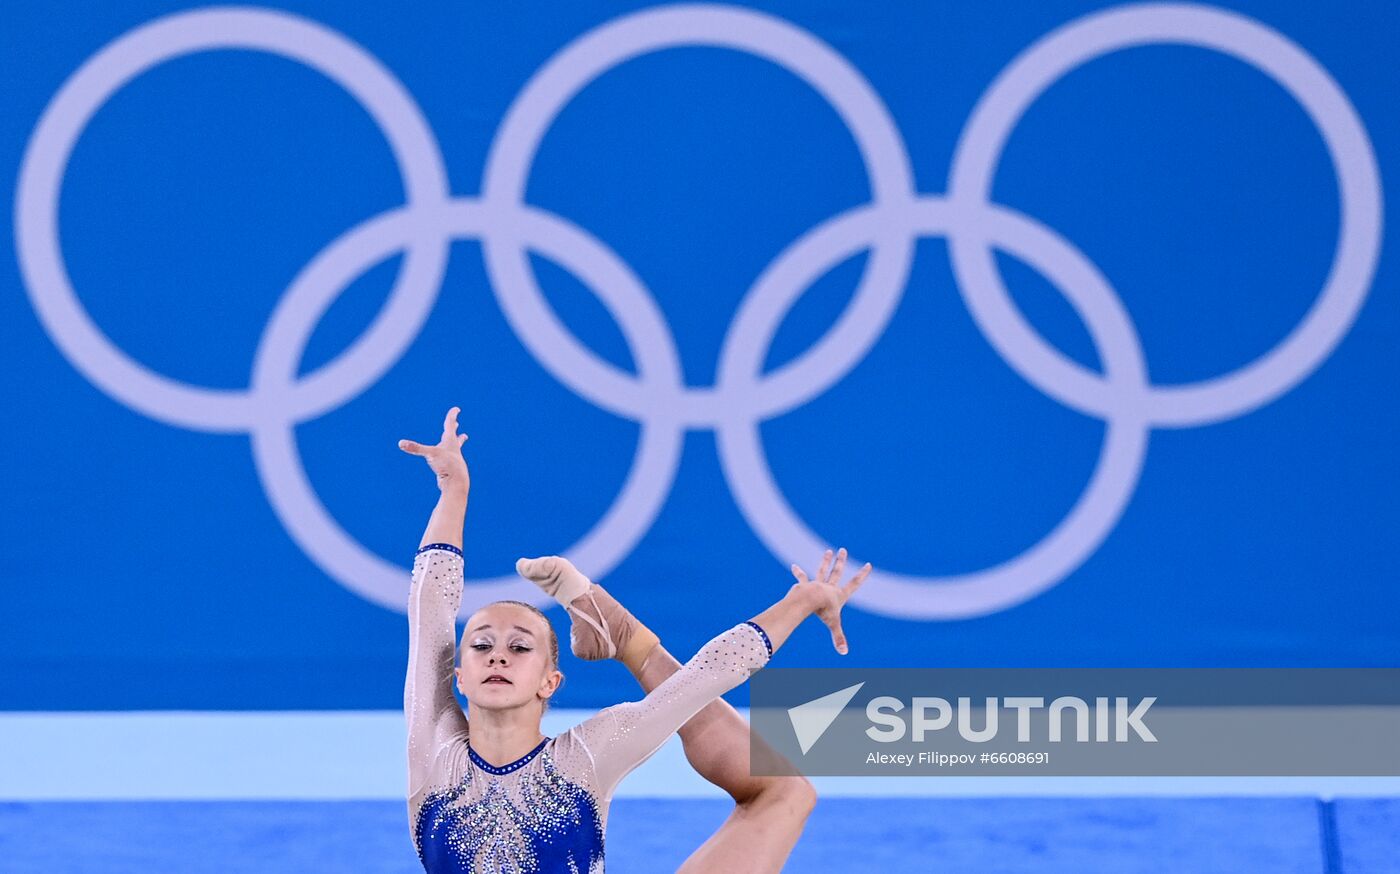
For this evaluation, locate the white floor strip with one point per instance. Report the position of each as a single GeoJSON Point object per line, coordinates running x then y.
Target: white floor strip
{"type": "Point", "coordinates": [360, 755]}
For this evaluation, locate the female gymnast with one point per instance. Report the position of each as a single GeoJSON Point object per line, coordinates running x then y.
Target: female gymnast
{"type": "Point", "coordinates": [488, 792]}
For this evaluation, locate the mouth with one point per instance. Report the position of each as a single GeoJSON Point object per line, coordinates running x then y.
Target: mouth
{"type": "Point", "coordinates": [496, 679]}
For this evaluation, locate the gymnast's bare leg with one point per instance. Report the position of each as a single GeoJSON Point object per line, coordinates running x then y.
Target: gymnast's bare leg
{"type": "Point", "coordinates": [769, 812]}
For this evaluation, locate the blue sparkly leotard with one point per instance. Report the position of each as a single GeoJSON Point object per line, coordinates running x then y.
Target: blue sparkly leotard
{"type": "Point", "coordinates": [547, 811]}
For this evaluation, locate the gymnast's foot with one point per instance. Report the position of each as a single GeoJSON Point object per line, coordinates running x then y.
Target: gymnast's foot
{"type": "Point", "coordinates": [601, 627]}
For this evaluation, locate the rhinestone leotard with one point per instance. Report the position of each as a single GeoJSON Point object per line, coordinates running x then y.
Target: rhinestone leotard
{"type": "Point", "coordinates": [547, 811]}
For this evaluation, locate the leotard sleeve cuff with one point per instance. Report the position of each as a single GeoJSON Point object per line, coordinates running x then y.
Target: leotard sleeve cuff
{"type": "Point", "coordinates": [767, 644]}
{"type": "Point", "coordinates": [444, 546]}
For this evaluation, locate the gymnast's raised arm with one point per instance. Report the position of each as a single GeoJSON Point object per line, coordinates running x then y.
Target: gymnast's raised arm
{"type": "Point", "coordinates": [435, 594]}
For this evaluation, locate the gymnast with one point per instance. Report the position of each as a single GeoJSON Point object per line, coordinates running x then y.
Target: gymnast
{"type": "Point", "coordinates": [488, 792]}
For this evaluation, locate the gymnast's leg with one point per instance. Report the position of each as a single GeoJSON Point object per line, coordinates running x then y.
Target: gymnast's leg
{"type": "Point", "coordinates": [769, 812]}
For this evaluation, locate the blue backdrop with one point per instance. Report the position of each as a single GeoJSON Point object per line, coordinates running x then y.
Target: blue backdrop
{"type": "Point", "coordinates": [148, 561]}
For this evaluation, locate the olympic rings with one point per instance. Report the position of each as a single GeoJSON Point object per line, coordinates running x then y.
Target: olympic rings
{"type": "Point", "coordinates": [743, 396]}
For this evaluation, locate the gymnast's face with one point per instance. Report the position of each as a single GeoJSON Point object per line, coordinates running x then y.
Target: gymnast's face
{"type": "Point", "coordinates": [507, 659]}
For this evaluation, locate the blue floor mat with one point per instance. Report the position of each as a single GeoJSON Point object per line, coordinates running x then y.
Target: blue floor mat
{"type": "Point", "coordinates": [1046, 836]}
{"type": "Point", "coordinates": [1368, 835]}
{"type": "Point", "coordinates": [1127, 835]}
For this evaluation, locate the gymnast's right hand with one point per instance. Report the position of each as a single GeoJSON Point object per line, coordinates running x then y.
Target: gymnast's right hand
{"type": "Point", "coordinates": [445, 458]}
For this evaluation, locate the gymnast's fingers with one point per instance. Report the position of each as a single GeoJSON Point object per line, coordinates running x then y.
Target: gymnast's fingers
{"type": "Point", "coordinates": [797, 572]}
{"type": "Point", "coordinates": [826, 564]}
{"type": "Point", "coordinates": [449, 423]}
{"type": "Point", "coordinates": [838, 636]}
{"type": "Point", "coordinates": [412, 448]}
{"type": "Point", "coordinates": [837, 569]}
{"type": "Point", "coordinates": [856, 581]}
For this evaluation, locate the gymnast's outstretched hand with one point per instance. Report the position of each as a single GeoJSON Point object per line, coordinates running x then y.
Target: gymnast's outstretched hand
{"type": "Point", "coordinates": [826, 594]}
{"type": "Point", "coordinates": [445, 458]}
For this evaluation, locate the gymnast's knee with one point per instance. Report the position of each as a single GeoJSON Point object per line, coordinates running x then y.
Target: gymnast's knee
{"type": "Point", "coordinates": [792, 796]}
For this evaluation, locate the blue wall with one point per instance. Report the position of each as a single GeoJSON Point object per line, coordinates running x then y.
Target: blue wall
{"type": "Point", "coordinates": [158, 555]}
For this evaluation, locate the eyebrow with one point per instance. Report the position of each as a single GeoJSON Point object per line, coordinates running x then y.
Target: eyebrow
{"type": "Point", "coordinates": [516, 627]}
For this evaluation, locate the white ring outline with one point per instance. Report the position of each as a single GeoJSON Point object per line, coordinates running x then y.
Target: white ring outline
{"type": "Point", "coordinates": [1094, 514]}
{"type": "Point", "coordinates": [614, 43]}
{"type": "Point", "coordinates": [1358, 181]}
{"type": "Point", "coordinates": [45, 161]}
{"type": "Point", "coordinates": [602, 548]}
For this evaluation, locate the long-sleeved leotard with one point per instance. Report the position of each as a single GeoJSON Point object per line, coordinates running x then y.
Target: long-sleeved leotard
{"type": "Point", "coordinates": [547, 811]}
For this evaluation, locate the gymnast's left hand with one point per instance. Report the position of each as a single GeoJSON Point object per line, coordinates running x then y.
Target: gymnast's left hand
{"type": "Point", "coordinates": [827, 595]}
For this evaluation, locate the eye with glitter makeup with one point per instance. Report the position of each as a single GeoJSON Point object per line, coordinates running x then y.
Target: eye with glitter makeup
{"type": "Point", "coordinates": [516, 646]}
